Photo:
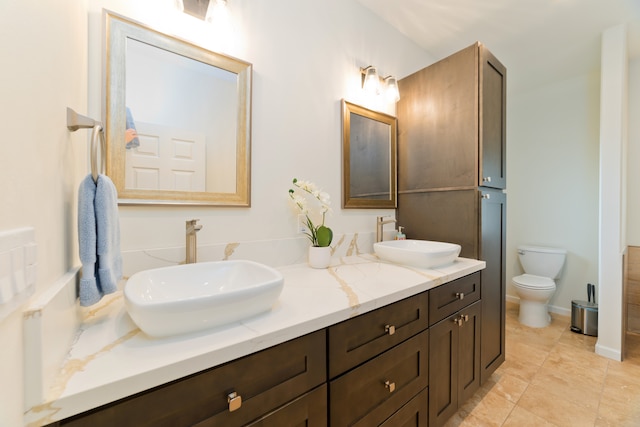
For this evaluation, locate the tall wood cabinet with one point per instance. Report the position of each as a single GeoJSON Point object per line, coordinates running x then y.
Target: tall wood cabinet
{"type": "Point", "coordinates": [452, 175]}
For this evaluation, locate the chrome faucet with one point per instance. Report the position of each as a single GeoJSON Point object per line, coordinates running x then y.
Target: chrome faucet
{"type": "Point", "coordinates": [192, 246]}
{"type": "Point", "coordinates": [380, 222]}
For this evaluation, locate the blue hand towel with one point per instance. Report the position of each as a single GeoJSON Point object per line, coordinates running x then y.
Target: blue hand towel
{"type": "Point", "coordinates": [108, 226]}
{"type": "Point", "coordinates": [99, 239]}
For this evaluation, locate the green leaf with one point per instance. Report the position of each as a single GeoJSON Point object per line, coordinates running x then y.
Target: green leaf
{"type": "Point", "coordinates": [324, 235]}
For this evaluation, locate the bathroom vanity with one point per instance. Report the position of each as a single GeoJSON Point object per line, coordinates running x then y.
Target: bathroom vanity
{"type": "Point", "coordinates": [352, 344]}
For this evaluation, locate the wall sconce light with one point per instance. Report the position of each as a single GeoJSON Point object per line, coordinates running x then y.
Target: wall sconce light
{"type": "Point", "coordinates": [201, 9]}
{"type": "Point", "coordinates": [391, 92]}
{"type": "Point", "coordinates": [373, 84]}
{"type": "Point", "coordinates": [370, 80]}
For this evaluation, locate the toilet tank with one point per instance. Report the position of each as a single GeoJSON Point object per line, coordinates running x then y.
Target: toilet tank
{"type": "Point", "coordinates": [542, 261]}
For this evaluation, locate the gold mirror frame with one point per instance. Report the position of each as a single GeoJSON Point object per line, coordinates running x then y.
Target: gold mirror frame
{"type": "Point", "coordinates": [376, 190]}
{"type": "Point", "coordinates": [117, 30]}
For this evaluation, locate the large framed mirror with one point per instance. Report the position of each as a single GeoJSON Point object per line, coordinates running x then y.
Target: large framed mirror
{"type": "Point", "coordinates": [178, 119]}
{"type": "Point", "coordinates": [369, 146]}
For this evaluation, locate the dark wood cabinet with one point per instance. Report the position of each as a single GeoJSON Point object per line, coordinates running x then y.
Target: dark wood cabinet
{"type": "Point", "coordinates": [454, 362]}
{"type": "Point", "coordinates": [309, 410]}
{"type": "Point", "coordinates": [453, 296]}
{"type": "Point", "coordinates": [492, 121]}
{"type": "Point", "coordinates": [357, 340]}
{"type": "Point", "coordinates": [413, 414]}
{"type": "Point", "coordinates": [452, 172]}
{"type": "Point", "coordinates": [444, 216]}
{"type": "Point", "coordinates": [493, 250]}
{"type": "Point", "coordinates": [372, 392]}
{"type": "Point", "coordinates": [295, 367]}
{"type": "Point", "coordinates": [452, 124]}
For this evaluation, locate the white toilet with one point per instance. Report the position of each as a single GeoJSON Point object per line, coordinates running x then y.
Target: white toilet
{"type": "Point", "coordinates": [541, 266]}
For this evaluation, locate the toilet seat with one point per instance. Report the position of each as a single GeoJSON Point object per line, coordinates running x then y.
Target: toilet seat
{"type": "Point", "coordinates": [531, 281]}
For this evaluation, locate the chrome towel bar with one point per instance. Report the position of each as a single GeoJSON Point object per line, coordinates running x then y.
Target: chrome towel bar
{"type": "Point", "coordinates": [77, 121]}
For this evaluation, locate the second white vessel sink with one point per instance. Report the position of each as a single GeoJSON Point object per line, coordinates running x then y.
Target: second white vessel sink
{"type": "Point", "coordinates": [417, 253]}
{"type": "Point", "coordinates": [192, 297]}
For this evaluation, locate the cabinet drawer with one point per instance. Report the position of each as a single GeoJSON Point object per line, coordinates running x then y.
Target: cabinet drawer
{"type": "Point", "coordinates": [446, 299]}
{"type": "Point", "coordinates": [357, 340]}
{"type": "Point", "coordinates": [309, 410]}
{"type": "Point", "coordinates": [413, 414]}
{"type": "Point", "coordinates": [372, 392]}
{"type": "Point", "coordinates": [265, 381]}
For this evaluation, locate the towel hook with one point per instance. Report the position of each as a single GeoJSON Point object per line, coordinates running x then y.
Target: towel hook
{"type": "Point", "coordinates": [77, 121]}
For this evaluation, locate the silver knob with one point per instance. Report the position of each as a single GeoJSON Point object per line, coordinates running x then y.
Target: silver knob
{"type": "Point", "coordinates": [486, 179]}
{"type": "Point", "coordinates": [460, 295]}
{"type": "Point", "coordinates": [486, 195]}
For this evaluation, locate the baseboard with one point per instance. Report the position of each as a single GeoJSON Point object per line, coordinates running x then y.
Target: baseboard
{"type": "Point", "coordinates": [608, 352]}
{"type": "Point", "coordinates": [552, 308]}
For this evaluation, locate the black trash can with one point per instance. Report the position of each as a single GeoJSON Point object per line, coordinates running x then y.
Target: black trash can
{"type": "Point", "coordinates": [584, 317]}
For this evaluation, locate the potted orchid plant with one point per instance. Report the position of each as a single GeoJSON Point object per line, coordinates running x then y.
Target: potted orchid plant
{"type": "Point", "coordinates": [320, 235]}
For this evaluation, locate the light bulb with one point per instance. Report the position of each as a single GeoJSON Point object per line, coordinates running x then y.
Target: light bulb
{"type": "Point", "coordinates": [371, 81]}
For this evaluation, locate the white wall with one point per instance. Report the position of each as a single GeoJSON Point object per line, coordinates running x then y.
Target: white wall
{"type": "Point", "coordinates": [306, 57]}
{"type": "Point", "coordinates": [552, 182]}
{"type": "Point", "coordinates": [44, 70]}
{"type": "Point", "coordinates": [633, 156]}
{"type": "Point", "coordinates": [612, 226]}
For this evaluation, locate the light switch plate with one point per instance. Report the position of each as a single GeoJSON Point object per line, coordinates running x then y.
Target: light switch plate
{"type": "Point", "coordinates": [18, 266]}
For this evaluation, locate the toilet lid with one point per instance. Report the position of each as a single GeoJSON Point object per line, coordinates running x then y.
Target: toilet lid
{"type": "Point", "coordinates": [531, 281]}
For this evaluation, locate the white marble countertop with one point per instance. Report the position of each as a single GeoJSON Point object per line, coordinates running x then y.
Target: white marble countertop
{"type": "Point", "coordinates": [111, 358]}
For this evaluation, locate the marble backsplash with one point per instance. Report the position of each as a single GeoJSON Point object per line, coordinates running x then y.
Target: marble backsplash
{"type": "Point", "coordinates": [275, 253]}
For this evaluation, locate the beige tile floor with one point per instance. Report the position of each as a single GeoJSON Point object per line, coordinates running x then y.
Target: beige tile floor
{"type": "Point", "coordinates": [552, 377]}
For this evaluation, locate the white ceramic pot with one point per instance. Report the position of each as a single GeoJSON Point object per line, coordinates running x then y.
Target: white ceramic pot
{"type": "Point", "coordinates": [319, 257]}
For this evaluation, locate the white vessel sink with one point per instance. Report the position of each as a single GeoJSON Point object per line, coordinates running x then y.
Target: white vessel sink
{"type": "Point", "coordinates": [192, 297]}
{"type": "Point", "coordinates": [417, 253]}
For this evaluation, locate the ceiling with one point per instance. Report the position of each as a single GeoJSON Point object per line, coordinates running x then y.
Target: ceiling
{"type": "Point", "coordinates": [539, 41]}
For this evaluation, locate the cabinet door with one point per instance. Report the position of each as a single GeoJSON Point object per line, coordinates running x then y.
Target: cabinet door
{"type": "Point", "coordinates": [443, 370]}
{"type": "Point", "coordinates": [492, 251]}
{"type": "Point", "coordinates": [469, 351]}
{"type": "Point", "coordinates": [438, 124]}
{"type": "Point", "coordinates": [445, 216]}
{"type": "Point", "coordinates": [493, 138]}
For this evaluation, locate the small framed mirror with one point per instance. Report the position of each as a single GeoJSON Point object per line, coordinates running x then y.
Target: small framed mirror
{"type": "Point", "coordinates": [369, 146]}
{"type": "Point", "coordinates": [178, 119]}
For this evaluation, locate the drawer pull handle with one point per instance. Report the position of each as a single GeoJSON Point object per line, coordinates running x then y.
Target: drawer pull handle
{"type": "Point", "coordinates": [234, 400]}
{"type": "Point", "coordinates": [464, 318]}
{"type": "Point", "coordinates": [457, 321]}
{"type": "Point", "coordinates": [390, 329]}
{"type": "Point", "coordinates": [390, 386]}
{"type": "Point", "coordinates": [460, 295]}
